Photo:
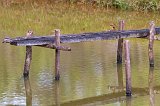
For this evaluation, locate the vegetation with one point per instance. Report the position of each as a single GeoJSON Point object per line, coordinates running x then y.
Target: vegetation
{"type": "Point", "coordinates": [138, 5]}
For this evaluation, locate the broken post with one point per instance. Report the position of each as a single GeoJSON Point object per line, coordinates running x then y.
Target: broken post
{"type": "Point", "coordinates": [57, 54]}
{"type": "Point", "coordinates": [120, 43]}
{"type": "Point", "coordinates": [127, 68]}
{"type": "Point", "coordinates": [28, 56]}
{"type": "Point", "coordinates": [150, 46]}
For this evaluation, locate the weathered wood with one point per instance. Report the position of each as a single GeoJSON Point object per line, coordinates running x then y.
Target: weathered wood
{"type": "Point", "coordinates": [127, 68]}
{"type": "Point", "coordinates": [150, 46]}
{"type": "Point", "coordinates": [57, 54]}
{"type": "Point", "coordinates": [53, 46]}
{"type": "Point", "coordinates": [120, 43]}
{"type": "Point", "coordinates": [27, 61]}
{"type": "Point", "coordinates": [28, 56]}
{"type": "Point", "coordinates": [71, 38]}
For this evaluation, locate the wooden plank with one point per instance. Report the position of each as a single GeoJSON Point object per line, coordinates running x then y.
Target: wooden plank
{"type": "Point", "coordinates": [72, 38]}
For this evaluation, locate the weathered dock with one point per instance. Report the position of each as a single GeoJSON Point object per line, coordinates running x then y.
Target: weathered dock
{"type": "Point", "coordinates": [73, 38]}
{"type": "Point", "coordinates": [54, 41]}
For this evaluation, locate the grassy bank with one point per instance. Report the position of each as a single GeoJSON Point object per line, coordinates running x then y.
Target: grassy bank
{"type": "Point", "coordinates": [137, 5]}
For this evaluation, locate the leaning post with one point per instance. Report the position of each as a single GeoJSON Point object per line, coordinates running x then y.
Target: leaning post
{"type": "Point", "coordinates": [120, 43]}
{"type": "Point", "coordinates": [57, 54]}
{"type": "Point", "coordinates": [28, 56]}
{"type": "Point", "coordinates": [127, 68]}
{"type": "Point", "coordinates": [150, 46]}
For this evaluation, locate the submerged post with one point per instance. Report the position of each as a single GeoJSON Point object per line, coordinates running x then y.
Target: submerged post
{"type": "Point", "coordinates": [28, 56]}
{"type": "Point", "coordinates": [127, 68]}
{"type": "Point", "coordinates": [57, 54]}
{"type": "Point", "coordinates": [120, 43]}
{"type": "Point", "coordinates": [150, 46]}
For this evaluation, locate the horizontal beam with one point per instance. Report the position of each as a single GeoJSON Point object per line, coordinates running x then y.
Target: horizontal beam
{"type": "Point", "coordinates": [73, 38]}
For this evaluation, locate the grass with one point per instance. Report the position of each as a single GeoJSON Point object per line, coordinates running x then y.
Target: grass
{"type": "Point", "coordinates": [137, 5]}
{"type": "Point", "coordinates": [17, 18]}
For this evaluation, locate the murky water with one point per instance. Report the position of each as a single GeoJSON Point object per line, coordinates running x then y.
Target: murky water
{"type": "Point", "coordinates": [89, 73]}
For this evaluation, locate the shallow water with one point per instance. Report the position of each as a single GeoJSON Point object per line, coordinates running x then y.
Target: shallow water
{"type": "Point", "coordinates": [90, 75]}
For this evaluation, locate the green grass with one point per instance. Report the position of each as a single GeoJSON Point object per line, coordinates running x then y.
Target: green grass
{"type": "Point", "coordinates": [43, 18]}
{"type": "Point", "coordinates": [138, 5]}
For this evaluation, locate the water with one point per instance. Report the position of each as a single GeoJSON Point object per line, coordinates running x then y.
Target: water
{"type": "Point", "coordinates": [89, 73]}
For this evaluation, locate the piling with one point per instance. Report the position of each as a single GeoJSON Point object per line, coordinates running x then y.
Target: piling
{"type": "Point", "coordinates": [151, 42]}
{"type": "Point", "coordinates": [57, 54]}
{"type": "Point", "coordinates": [28, 57]}
{"type": "Point", "coordinates": [127, 68]}
{"type": "Point", "coordinates": [120, 43]}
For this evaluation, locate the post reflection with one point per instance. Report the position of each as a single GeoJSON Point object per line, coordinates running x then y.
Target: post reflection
{"type": "Point", "coordinates": [151, 86]}
{"type": "Point", "coordinates": [28, 92]}
{"type": "Point", "coordinates": [57, 93]}
{"type": "Point", "coordinates": [120, 76]}
{"type": "Point", "coordinates": [120, 87]}
{"type": "Point", "coordinates": [128, 101]}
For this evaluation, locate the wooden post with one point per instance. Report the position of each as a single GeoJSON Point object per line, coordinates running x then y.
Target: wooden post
{"type": "Point", "coordinates": [28, 56]}
{"type": "Point", "coordinates": [57, 54]}
{"type": "Point", "coordinates": [127, 68]}
{"type": "Point", "coordinates": [150, 46]}
{"type": "Point", "coordinates": [120, 43]}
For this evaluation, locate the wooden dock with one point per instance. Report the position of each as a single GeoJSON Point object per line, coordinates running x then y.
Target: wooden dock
{"type": "Point", "coordinates": [54, 41]}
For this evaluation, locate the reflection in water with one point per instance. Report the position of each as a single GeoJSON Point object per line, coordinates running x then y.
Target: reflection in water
{"type": "Point", "coordinates": [120, 86]}
{"type": "Point", "coordinates": [28, 92]}
{"type": "Point", "coordinates": [120, 76]}
{"type": "Point", "coordinates": [128, 101]}
{"type": "Point", "coordinates": [57, 93]}
{"type": "Point", "coordinates": [151, 85]}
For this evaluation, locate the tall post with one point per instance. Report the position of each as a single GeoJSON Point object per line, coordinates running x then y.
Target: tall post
{"type": "Point", "coordinates": [28, 57]}
{"type": "Point", "coordinates": [120, 43]}
{"type": "Point", "coordinates": [127, 68]}
{"type": "Point", "coordinates": [57, 54]}
{"type": "Point", "coordinates": [150, 46]}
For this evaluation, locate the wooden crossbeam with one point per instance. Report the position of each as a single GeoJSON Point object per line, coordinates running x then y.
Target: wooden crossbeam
{"type": "Point", "coordinates": [72, 38]}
